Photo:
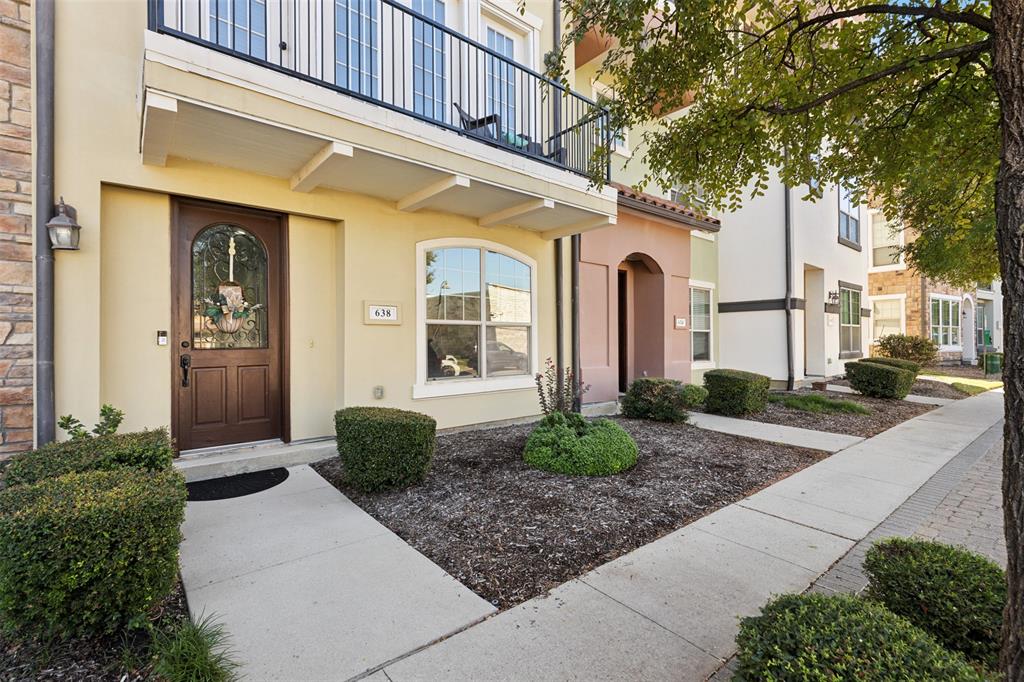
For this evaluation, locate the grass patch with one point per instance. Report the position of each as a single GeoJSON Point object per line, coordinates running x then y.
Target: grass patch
{"type": "Point", "coordinates": [982, 384]}
{"type": "Point", "coordinates": [194, 652]}
{"type": "Point", "coordinates": [969, 389]}
{"type": "Point", "coordinates": [819, 404]}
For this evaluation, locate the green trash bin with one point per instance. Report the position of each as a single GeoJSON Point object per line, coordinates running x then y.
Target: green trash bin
{"type": "Point", "coordinates": [993, 363]}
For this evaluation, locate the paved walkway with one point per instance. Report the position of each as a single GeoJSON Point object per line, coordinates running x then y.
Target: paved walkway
{"type": "Point", "coordinates": [775, 433]}
{"type": "Point", "coordinates": [670, 609]}
{"type": "Point", "coordinates": [310, 587]}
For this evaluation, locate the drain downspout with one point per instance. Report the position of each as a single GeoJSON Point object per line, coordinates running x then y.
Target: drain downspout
{"type": "Point", "coordinates": [44, 201]}
{"type": "Point", "coordinates": [790, 371]}
{"type": "Point", "coordinates": [576, 318]}
{"type": "Point", "coordinates": [556, 16]}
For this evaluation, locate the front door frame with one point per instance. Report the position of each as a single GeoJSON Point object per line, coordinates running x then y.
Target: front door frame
{"type": "Point", "coordinates": [285, 318]}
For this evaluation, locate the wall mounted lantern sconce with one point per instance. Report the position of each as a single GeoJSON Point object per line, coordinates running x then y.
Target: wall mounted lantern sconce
{"type": "Point", "coordinates": [833, 297]}
{"type": "Point", "coordinates": [63, 228]}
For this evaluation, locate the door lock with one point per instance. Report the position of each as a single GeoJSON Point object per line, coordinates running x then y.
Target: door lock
{"type": "Point", "coordinates": [186, 362]}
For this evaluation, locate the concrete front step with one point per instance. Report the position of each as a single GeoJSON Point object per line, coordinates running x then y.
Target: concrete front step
{"type": "Point", "coordinates": [207, 464]}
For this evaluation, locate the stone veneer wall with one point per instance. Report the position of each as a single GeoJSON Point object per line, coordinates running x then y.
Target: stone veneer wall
{"type": "Point", "coordinates": [16, 278]}
{"type": "Point", "coordinates": [917, 309]}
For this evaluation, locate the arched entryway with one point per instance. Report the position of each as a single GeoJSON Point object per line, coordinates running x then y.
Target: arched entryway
{"type": "Point", "coordinates": [968, 330]}
{"type": "Point", "coordinates": [641, 312]}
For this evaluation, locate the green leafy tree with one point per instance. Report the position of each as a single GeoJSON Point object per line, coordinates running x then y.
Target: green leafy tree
{"type": "Point", "coordinates": [922, 103]}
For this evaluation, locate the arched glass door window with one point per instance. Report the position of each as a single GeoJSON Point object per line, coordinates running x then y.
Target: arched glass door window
{"type": "Point", "coordinates": [229, 289]}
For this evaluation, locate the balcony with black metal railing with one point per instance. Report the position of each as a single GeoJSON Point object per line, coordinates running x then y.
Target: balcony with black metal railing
{"type": "Point", "coordinates": [385, 53]}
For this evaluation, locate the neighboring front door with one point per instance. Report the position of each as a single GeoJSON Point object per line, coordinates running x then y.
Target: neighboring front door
{"type": "Point", "coordinates": [226, 276]}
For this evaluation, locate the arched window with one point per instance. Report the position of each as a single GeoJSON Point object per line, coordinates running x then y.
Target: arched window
{"type": "Point", "coordinates": [229, 289]}
{"type": "Point", "coordinates": [477, 321]}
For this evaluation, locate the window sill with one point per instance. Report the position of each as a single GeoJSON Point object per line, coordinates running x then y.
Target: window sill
{"type": "Point", "coordinates": [895, 267]}
{"type": "Point", "coordinates": [456, 387]}
{"type": "Point", "coordinates": [951, 349]}
{"type": "Point", "coordinates": [853, 245]}
{"type": "Point", "coordinates": [702, 364]}
{"type": "Point", "coordinates": [850, 355]}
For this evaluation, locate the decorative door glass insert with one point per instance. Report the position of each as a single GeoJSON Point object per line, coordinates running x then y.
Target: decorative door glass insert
{"type": "Point", "coordinates": [229, 289]}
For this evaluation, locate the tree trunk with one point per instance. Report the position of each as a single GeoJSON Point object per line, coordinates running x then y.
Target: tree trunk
{"type": "Point", "coordinates": [1008, 49]}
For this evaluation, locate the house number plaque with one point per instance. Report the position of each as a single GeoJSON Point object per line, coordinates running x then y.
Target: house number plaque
{"type": "Point", "coordinates": [381, 312]}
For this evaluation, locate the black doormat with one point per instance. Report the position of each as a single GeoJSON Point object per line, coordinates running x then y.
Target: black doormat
{"type": "Point", "coordinates": [235, 486]}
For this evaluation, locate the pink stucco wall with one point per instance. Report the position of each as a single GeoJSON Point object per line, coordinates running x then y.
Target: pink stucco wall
{"type": "Point", "coordinates": [655, 255]}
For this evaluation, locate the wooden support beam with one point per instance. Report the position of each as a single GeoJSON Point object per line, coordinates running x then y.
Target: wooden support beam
{"type": "Point", "coordinates": [158, 128]}
{"type": "Point", "coordinates": [582, 226]}
{"type": "Point", "coordinates": [315, 170]}
{"type": "Point", "coordinates": [509, 215]}
{"type": "Point", "coordinates": [420, 198]}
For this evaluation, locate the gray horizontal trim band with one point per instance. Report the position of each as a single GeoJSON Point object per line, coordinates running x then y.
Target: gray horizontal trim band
{"type": "Point", "coordinates": [853, 245]}
{"type": "Point", "coordinates": [832, 308]}
{"type": "Point", "coordinates": [850, 285]}
{"type": "Point", "coordinates": [865, 312]}
{"type": "Point", "coordinates": [766, 304]}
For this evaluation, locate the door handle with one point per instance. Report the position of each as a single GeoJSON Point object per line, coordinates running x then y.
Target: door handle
{"type": "Point", "coordinates": [186, 362]}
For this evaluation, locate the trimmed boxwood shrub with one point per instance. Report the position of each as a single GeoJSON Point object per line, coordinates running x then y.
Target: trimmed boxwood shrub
{"type": "Point", "coordinates": [663, 400]}
{"type": "Point", "coordinates": [896, 362]}
{"type": "Point", "coordinates": [880, 381]}
{"type": "Point", "coordinates": [149, 450]}
{"type": "Point", "coordinates": [88, 553]}
{"type": "Point", "coordinates": [814, 637]}
{"type": "Point", "coordinates": [907, 347]}
{"type": "Point", "coordinates": [383, 448]}
{"type": "Point", "coordinates": [734, 392]}
{"type": "Point", "coordinates": [569, 444]}
{"type": "Point", "coordinates": [955, 595]}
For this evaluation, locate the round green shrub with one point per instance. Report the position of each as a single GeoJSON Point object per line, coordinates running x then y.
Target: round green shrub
{"type": "Point", "coordinates": [88, 553]}
{"type": "Point", "coordinates": [907, 347]}
{"type": "Point", "coordinates": [663, 400]}
{"type": "Point", "coordinates": [149, 450]}
{"type": "Point", "coordinates": [735, 392]}
{"type": "Point", "coordinates": [383, 448]}
{"type": "Point", "coordinates": [819, 638]}
{"type": "Point", "coordinates": [880, 381]}
{"type": "Point", "coordinates": [955, 595]}
{"type": "Point", "coordinates": [568, 444]}
{"type": "Point", "coordinates": [896, 362]}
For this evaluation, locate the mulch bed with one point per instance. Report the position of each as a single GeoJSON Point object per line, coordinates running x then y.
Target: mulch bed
{"type": "Point", "coordinates": [925, 387]}
{"type": "Point", "coordinates": [510, 533]}
{"type": "Point", "coordinates": [965, 371]}
{"type": "Point", "coordinates": [121, 658]}
{"type": "Point", "coordinates": [884, 415]}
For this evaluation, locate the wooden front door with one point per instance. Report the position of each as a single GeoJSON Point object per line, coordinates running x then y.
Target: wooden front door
{"type": "Point", "coordinates": [227, 272]}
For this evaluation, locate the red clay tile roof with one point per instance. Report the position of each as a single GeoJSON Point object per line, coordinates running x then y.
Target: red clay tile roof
{"type": "Point", "coordinates": [685, 213]}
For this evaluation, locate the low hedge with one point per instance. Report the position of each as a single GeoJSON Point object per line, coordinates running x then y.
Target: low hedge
{"type": "Point", "coordinates": [955, 595]}
{"type": "Point", "coordinates": [663, 400]}
{"type": "Point", "coordinates": [907, 347]}
{"type": "Point", "coordinates": [908, 365]}
{"type": "Point", "coordinates": [814, 638]}
{"type": "Point", "coordinates": [734, 392]}
{"type": "Point", "coordinates": [569, 444]}
{"type": "Point", "coordinates": [383, 448]}
{"type": "Point", "coordinates": [88, 553]}
{"type": "Point", "coordinates": [149, 450]}
{"type": "Point", "coordinates": [880, 381]}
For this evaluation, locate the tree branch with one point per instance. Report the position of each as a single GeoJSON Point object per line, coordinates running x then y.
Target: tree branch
{"type": "Point", "coordinates": [978, 21]}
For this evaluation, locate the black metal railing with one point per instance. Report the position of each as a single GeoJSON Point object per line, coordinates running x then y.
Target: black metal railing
{"type": "Point", "coordinates": [407, 60]}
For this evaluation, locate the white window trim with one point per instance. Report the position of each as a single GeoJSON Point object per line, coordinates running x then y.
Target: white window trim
{"type": "Point", "coordinates": [902, 298]}
{"type": "Point", "coordinates": [701, 234]}
{"type": "Point", "coordinates": [860, 296]}
{"type": "Point", "coordinates": [959, 322]}
{"type": "Point", "coordinates": [439, 389]}
{"type": "Point", "coordinates": [608, 92]}
{"type": "Point", "coordinates": [504, 17]}
{"type": "Point", "coordinates": [703, 364]}
{"type": "Point", "coordinates": [894, 267]}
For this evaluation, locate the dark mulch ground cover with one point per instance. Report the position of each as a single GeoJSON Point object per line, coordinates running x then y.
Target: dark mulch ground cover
{"type": "Point", "coordinates": [510, 533]}
{"type": "Point", "coordinates": [926, 387]}
{"type": "Point", "coordinates": [884, 415]}
{"type": "Point", "coordinates": [965, 371]}
{"type": "Point", "coordinates": [124, 658]}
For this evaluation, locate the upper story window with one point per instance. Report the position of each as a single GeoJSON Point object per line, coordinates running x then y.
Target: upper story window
{"type": "Point", "coordinates": [429, 80]}
{"type": "Point", "coordinates": [885, 242]}
{"type": "Point", "coordinates": [849, 218]}
{"type": "Point", "coordinates": [619, 137]}
{"type": "Point", "coordinates": [240, 25]}
{"type": "Point", "coordinates": [945, 320]}
{"type": "Point", "coordinates": [849, 321]}
{"type": "Point", "coordinates": [501, 81]}
{"type": "Point", "coordinates": [478, 314]}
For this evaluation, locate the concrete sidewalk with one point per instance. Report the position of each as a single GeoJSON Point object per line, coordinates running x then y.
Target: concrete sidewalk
{"type": "Point", "coordinates": [670, 609]}
{"type": "Point", "coordinates": [775, 433]}
{"type": "Point", "coordinates": [310, 587]}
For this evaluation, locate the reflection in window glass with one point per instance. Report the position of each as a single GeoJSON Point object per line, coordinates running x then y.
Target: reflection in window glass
{"type": "Point", "coordinates": [455, 278]}
{"type": "Point", "coordinates": [885, 244]}
{"type": "Point", "coordinates": [887, 318]}
{"type": "Point", "coordinates": [849, 320]}
{"type": "Point", "coordinates": [508, 350]}
{"type": "Point", "coordinates": [453, 351]}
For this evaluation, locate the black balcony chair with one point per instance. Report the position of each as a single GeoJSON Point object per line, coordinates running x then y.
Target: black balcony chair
{"type": "Point", "coordinates": [479, 126]}
{"type": "Point", "coordinates": [482, 127]}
